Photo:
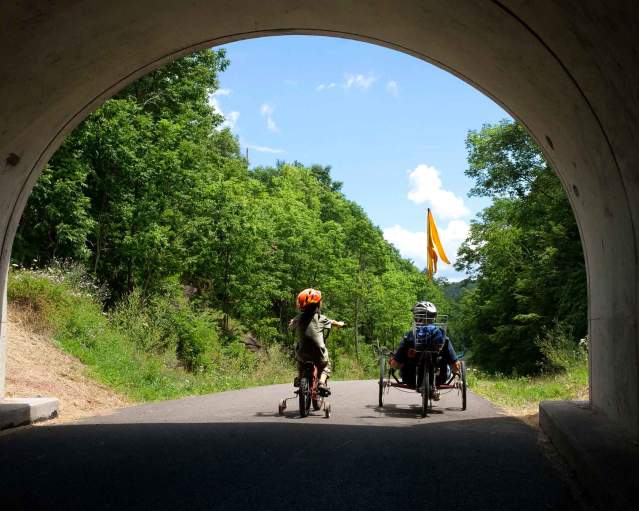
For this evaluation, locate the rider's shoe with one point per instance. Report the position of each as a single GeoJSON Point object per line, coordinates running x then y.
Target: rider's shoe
{"type": "Point", "coordinates": [434, 394]}
{"type": "Point", "coordinates": [323, 390]}
{"type": "Point", "coordinates": [296, 381]}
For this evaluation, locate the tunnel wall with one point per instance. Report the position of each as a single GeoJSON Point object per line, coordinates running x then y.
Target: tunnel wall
{"type": "Point", "coordinates": [564, 69]}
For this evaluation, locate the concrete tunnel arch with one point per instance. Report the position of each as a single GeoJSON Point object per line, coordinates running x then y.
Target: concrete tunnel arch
{"type": "Point", "coordinates": [564, 69]}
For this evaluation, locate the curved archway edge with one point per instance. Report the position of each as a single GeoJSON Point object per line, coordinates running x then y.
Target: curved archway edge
{"type": "Point", "coordinates": [564, 70]}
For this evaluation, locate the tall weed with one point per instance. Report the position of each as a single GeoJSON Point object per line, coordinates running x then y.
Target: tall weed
{"type": "Point", "coordinates": [166, 322]}
{"type": "Point", "coordinates": [560, 350]}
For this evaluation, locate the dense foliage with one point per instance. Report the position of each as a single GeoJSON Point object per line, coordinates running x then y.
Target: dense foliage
{"type": "Point", "coordinates": [138, 348]}
{"type": "Point", "coordinates": [524, 256]}
{"type": "Point", "coordinates": [151, 194]}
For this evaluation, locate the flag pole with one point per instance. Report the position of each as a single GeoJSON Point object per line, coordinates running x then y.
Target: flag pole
{"type": "Point", "coordinates": [428, 261]}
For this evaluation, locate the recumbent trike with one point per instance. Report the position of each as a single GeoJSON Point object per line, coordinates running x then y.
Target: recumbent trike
{"type": "Point", "coordinates": [427, 357]}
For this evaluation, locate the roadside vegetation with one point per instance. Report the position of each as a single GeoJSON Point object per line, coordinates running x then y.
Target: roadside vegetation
{"type": "Point", "coordinates": [523, 393]}
{"type": "Point", "coordinates": [149, 350]}
{"type": "Point", "coordinates": [521, 314]}
{"type": "Point", "coordinates": [565, 376]}
{"type": "Point", "coordinates": [181, 263]}
{"type": "Point", "coordinates": [523, 257]}
{"type": "Point", "coordinates": [150, 358]}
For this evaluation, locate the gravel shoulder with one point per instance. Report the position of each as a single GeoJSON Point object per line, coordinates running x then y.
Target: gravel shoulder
{"type": "Point", "coordinates": [36, 367]}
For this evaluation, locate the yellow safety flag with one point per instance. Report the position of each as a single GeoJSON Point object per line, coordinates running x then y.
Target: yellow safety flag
{"type": "Point", "coordinates": [433, 246]}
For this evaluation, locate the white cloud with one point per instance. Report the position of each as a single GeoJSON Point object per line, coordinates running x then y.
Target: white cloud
{"type": "Point", "coordinates": [426, 187]}
{"type": "Point", "coordinates": [351, 81]}
{"type": "Point", "coordinates": [215, 104]}
{"type": "Point", "coordinates": [324, 86]}
{"type": "Point", "coordinates": [264, 149]}
{"type": "Point", "coordinates": [267, 111]}
{"type": "Point", "coordinates": [455, 231]}
{"type": "Point", "coordinates": [270, 124]}
{"type": "Point", "coordinates": [412, 245]}
{"type": "Point", "coordinates": [359, 81]}
{"type": "Point", "coordinates": [230, 118]}
{"type": "Point", "coordinates": [392, 88]}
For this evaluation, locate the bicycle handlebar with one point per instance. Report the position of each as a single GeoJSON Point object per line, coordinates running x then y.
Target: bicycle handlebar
{"type": "Point", "coordinates": [383, 351]}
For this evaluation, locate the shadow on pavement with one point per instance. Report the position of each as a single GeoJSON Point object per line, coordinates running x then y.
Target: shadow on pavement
{"type": "Point", "coordinates": [293, 414]}
{"type": "Point", "coordinates": [476, 464]}
{"type": "Point", "coordinates": [401, 411]}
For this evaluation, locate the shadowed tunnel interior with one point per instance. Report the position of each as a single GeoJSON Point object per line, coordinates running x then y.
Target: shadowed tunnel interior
{"type": "Point", "coordinates": [489, 464]}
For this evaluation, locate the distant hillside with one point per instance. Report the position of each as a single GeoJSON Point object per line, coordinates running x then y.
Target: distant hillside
{"type": "Point", "coordinates": [454, 290]}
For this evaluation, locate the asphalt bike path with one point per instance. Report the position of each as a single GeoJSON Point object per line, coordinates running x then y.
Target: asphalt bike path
{"type": "Point", "coordinates": [233, 451]}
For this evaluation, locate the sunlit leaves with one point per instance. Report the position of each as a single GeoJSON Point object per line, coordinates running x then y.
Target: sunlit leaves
{"type": "Point", "coordinates": [523, 250]}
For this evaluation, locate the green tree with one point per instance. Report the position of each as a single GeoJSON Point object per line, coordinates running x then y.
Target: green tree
{"type": "Point", "coordinates": [57, 221]}
{"type": "Point", "coordinates": [523, 251]}
{"type": "Point", "coordinates": [119, 192]}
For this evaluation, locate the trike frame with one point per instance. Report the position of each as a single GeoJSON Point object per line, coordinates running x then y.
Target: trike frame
{"type": "Point", "coordinates": [427, 367]}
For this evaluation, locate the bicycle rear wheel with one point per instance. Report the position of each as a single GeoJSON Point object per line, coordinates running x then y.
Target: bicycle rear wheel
{"type": "Point", "coordinates": [382, 388]}
{"type": "Point", "coordinates": [464, 385]}
{"type": "Point", "coordinates": [426, 402]}
{"type": "Point", "coordinates": [426, 389]}
{"type": "Point", "coordinates": [304, 397]}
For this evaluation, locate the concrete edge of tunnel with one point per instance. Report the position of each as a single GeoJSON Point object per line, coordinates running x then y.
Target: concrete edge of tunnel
{"type": "Point", "coordinates": [594, 449]}
{"type": "Point", "coordinates": [15, 412]}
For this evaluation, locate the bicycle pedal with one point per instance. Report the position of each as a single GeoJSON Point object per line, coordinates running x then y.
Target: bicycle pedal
{"type": "Point", "coordinates": [324, 392]}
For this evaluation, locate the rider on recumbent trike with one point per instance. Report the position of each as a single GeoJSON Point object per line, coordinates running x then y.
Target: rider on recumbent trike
{"type": "Point", "coordinates": [425, 331]}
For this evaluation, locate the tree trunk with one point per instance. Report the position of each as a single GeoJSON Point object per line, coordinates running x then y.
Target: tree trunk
{"type": "Point", "coordinates": [357, 328]}
{"type": "Point", "coordinates": [225, 300]}
{"type": "Point", "coordinates": [98, 246]}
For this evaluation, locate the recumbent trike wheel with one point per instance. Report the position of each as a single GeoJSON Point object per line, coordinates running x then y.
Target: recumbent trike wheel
{"type": "Point", "coordinates": [382, 386]}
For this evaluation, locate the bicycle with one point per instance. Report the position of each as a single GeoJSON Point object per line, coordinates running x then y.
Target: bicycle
{"type": "Point", "coordinates": [308, 393]}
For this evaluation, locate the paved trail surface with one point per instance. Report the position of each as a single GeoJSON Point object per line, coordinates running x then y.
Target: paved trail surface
{"type": "Point", "coordinates": [231, 451]}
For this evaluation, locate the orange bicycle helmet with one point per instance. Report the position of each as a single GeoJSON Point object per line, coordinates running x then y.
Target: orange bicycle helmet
{"type": "Point", "coordinates": [308, 297]}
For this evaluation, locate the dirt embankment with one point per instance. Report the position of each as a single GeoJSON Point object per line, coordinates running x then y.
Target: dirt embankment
{"type": "Point", "coordinates": [37, 367]}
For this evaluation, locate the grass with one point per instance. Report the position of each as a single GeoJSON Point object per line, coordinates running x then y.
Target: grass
{"type": "Point", "coordinates": [348, 366]}
{"type": "Point", "coordinates": [564, 374]}
{"type": "Point", "coordinates": [523, 393]}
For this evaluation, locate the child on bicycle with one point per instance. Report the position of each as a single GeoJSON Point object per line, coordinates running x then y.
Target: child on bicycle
{"type": "Point", "coordinates": [309, 327]}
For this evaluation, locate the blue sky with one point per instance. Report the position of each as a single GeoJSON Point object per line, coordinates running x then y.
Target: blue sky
{"type": "Point", "coordinates": [391, 126]}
